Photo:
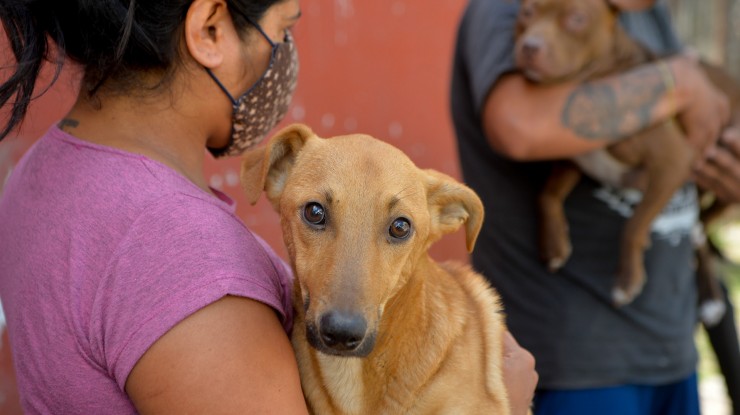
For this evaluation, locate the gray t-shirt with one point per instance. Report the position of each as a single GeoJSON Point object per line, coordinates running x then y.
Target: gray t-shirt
{"type": "Point", "coordinates": [566, 320]}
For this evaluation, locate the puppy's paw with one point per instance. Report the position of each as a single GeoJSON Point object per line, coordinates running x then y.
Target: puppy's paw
{"type": "Point", "coordinates": [554, 264]}
{"type": "Point", "coordinates": [629, 286]}
{"type": "Point", "coordinates": [621, 297]}
{"type": "Point", "coordinates": [555, 247]}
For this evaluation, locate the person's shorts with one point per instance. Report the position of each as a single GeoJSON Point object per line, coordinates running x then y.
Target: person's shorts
{"type": "Point", "coordinates": [679, 398]}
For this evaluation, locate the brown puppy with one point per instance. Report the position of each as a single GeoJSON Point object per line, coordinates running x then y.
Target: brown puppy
{"type": "Point", "coordinates": [380, 327]}
{"type": "Point", "coordinates": [579, 40]}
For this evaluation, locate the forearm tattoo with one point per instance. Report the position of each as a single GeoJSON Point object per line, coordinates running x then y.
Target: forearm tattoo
{"type": "Point", "coordinates": [616, 108]}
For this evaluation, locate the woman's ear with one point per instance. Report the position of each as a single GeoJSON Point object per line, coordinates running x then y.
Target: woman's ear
{"type": "Point", "coordinates": [207, 25]}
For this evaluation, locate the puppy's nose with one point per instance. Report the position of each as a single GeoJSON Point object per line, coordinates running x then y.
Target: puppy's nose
{"type": "Point", "coordinates": [342, 331]}
{"type": "Point", "coordinates": [531, 46]}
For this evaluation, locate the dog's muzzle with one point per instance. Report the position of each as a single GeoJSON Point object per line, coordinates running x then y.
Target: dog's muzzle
{"type": "Point", "coordinates": [341, 334]}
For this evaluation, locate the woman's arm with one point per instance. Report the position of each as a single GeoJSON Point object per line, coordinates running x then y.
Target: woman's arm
{"type": "Point", "coordinates": [232, 356]}
{"type": "Point", "coordinates": [532, 122]}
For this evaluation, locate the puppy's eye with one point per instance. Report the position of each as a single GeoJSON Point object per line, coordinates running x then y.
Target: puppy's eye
{"type": "Point", "coordinates": [314, 214]}
{"type": "Point", "coordinates": [526, 12]}
{"type": "Point", "coordinates": [400, 228]}
{"type": "Point", "coordinates": [576, 21]}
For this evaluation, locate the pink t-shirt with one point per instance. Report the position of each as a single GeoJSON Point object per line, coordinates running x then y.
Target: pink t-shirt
{"type": "Point", "coordinates": [103, 251]}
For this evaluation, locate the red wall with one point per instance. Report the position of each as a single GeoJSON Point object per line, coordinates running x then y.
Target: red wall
{"type": "Point", "coordinates": [377, 67]}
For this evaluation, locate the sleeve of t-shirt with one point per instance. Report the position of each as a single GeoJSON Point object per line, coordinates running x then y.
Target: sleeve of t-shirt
{"type": "Point", "coordinates": [653, 28]}
{"type": "Point", "coordinates": [180, 254]}
{"type": "Point", "coordinates": [487, 31]}
{"type": "Point", "coordinates": [286, 280]}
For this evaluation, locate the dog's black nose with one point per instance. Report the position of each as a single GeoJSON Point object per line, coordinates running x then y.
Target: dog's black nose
{"type": "Point", "coordinates": [342, 331]}
{"type": "Point", "coordinates": [532, 46]}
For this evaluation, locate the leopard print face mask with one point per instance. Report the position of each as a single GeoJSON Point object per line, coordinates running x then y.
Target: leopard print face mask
{"type": "Point", "coordinates": [259, 109]}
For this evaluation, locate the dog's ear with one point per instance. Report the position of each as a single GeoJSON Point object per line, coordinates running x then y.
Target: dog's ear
{"type": "Point", "coordinates": [451, 204]}
{"type": "Point", "coordinates": [267, 167]}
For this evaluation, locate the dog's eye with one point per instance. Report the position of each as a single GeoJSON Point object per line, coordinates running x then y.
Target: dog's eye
{"type": "Point", "coordinates": [400, 228]}
{"type": "Point", "coordinates": [577, 21]}
{"type": "Point", "coordinates": [526, 12]}
{"type": "Point", "coordinates": [314, 214]}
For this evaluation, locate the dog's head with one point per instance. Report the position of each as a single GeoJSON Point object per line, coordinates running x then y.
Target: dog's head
{"type": "Point", "coordinates": [357, 217]}
{"type": "Point", "coordinates": [558, 39]}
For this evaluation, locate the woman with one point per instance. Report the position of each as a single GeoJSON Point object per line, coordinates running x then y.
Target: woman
{"type": "Point", "coordinates": [149, 288]}
{"type": "Point", "coordinates": [130, 285]}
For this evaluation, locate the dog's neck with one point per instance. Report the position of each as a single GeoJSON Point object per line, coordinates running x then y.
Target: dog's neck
{"type": "Point", "coordinates": [410, 338]}
{"type": "Point", "coordinates": [413, 315]}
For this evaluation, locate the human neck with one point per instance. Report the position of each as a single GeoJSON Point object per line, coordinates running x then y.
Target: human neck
{"type": "Point", "coordinates": [154, 127]}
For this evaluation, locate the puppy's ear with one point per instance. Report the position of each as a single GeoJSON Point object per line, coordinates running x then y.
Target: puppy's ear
{"type": "Point", "coordinates": [267, 167]}
{"type": "Point", "coordinates": [450, 205]}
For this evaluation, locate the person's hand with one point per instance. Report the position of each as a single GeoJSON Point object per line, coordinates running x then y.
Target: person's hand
{"type": "Point", "coordinates": [702, 110]}
{"type": "Point", "coordinates": [520, 376]}
{"type": "Point", "coordinates": [719, 171]}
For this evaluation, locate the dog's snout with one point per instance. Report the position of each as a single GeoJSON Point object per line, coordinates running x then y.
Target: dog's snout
{"type": "Point", "coordinates": [342, 331]}
{"type": "Point", "coordinates": [531, 46]}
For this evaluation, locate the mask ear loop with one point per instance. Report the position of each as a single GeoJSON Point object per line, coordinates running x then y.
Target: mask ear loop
{"type": "Point", "coordinates": [258, 27]}
{"type": "Point", "coordinates": [234, 102]}
{"type": "Point", "coordinates": [274, 47]}
{"type": "Point", "coordinates": [223, 88]}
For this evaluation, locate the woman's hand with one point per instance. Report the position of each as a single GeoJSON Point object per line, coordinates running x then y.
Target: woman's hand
{"type": "Point", "coordinates": [520, 376]}
{"type": "Point", "coordinates": [719, 171]}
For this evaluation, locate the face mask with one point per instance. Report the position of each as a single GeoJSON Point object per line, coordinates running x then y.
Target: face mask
{"type": "Point", "coordinates": [259, 109]}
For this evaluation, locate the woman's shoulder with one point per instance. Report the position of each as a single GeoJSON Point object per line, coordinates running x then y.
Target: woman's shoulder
{"type": "Point", "coordinates": [124, 207]}
{"type": "Point", "coordinates": [102, 181]}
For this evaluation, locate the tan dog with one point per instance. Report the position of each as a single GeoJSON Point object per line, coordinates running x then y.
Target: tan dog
{"type": "Point", "coordinates": [580, 40]}
{"type": "Point", "coordinates": [380, 327]}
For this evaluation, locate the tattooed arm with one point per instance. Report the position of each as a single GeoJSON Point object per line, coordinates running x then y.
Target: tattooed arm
{"type": "Point", "coordinates": [532, 122]}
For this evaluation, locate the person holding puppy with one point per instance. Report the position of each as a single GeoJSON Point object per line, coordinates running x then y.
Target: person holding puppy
{"type": "Point", "coordinates": [129, 284]}
{"type": "Point", "coordinates": [592, 357]}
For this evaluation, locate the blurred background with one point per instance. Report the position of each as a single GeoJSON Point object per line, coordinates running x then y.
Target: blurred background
{"type": "Point", "coordinates": [382, 68]}
{"type": "Point", "coordinates": [711, 28]}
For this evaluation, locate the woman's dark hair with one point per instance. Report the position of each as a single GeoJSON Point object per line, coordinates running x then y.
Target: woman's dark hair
{"type": "Point", "coordinates": [110, 39]}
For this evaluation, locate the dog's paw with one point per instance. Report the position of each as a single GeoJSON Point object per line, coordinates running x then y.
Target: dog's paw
{"type": "Point", "coordinates": [555, 249]}
{"type": "Point", "coordinates": [621, 297]}
{"type": "Point", "coordinates": [554, 264]}
{"type": "Point", "coordinates": [712, 311]}
{"type": "Point", "coordinates": [629, 284]}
